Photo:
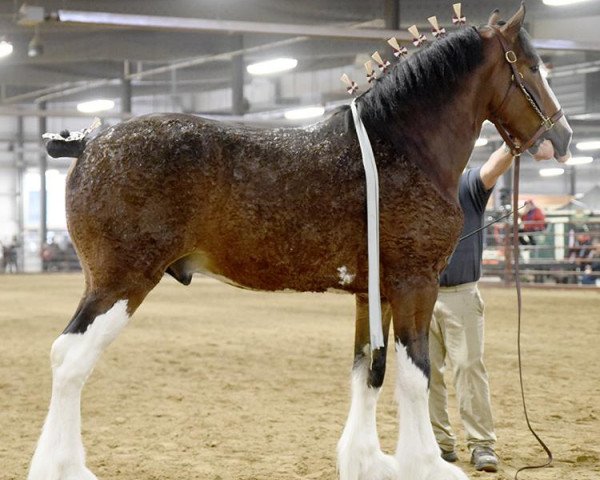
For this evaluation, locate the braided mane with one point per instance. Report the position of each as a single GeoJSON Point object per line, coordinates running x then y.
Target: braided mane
{"type": "Point", "coordinates": [424, 81]}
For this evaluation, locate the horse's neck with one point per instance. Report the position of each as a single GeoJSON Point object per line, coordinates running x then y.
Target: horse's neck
{"type": "Point", "coordinates": [444, 140]}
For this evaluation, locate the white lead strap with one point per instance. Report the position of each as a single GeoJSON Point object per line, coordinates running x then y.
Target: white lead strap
{"type": "Point", "coordinates": [375, 329]}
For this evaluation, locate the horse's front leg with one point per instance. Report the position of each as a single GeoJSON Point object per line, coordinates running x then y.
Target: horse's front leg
{"type": "Point", "coordinates": [359, 454]}
{"type": "Point", "coordinates": [417, 452]}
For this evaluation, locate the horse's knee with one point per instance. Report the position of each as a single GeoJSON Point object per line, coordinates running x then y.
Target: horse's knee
{"type": "Point", "coordinates": [59, 350]}
{"type": "Point", "coordinates": [412, 372]}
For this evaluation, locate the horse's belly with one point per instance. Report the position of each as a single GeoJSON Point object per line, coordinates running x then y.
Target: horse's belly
{"type": "Point", "coordinates": [255, 274]}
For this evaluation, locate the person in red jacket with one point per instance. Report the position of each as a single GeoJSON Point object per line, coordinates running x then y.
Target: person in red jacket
{"type": "Point", "coordinates": [533, 220]}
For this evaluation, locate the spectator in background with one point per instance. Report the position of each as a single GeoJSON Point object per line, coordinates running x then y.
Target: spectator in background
{"type": "Point", "coordinates": [533, 219]}
{"type": "Point", "coordinates": [585, 249]}
{"type": "Point", "coordinates": [9, 262]}
{"type": "Point", "coordinates": [588, 277]}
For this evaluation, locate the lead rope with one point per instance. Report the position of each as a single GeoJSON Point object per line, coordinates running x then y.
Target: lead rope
{"type": "Point", "coordinates": [518, 285]}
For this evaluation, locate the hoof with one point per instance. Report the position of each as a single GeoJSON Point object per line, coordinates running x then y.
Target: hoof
{"type": "Point", "coordinates": [376, 466]}
{"type": "Point", "coordinates": [61, 473]}
{"type": "Point", "coordinates": [426, 469]}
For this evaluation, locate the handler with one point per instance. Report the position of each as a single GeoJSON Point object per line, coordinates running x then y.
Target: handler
{"type": "Point", "coordinates": [457, 325]}
{"type": "Point", "coordinates": [456, 330]}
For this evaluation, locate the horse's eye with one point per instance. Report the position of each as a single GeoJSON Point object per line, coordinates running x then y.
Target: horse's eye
{"type": "Point", "coordinates": [535, 68]}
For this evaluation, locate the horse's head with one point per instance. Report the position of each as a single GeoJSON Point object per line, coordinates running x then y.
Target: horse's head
{"type": "Point", "coordinates": [524, 108]}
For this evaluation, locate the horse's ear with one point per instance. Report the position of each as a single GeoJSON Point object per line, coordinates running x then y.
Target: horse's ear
{"type": "Point", "coordinates": [494, 17]}
{"type": "Point", "coordinates": [514, 25]}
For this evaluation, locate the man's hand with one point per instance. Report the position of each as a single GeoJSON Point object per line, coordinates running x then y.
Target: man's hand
{"type": "Point", "coordinates": [545, 151]}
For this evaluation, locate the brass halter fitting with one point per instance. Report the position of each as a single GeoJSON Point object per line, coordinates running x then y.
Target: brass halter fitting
{"type": "Point", "coordinates": [547, 123]}
{"type": "Point", "coordinates": [511, 57]}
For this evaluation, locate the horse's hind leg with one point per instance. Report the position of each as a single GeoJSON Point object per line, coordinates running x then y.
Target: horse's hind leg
{"type": "Point", "coordinates": [102, 314]}
{"type": "Point", "coordinates": [359, 454]}
{"type": "Point", "coordinates": [417, 452]}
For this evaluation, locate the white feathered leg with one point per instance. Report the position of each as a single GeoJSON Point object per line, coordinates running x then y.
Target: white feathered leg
{"type": "Point", "coordinates": [59, 454]}
{"type": "Point", "coordinates": [359, 453]}
{"type": "Point", "coordinates": [417, 453]}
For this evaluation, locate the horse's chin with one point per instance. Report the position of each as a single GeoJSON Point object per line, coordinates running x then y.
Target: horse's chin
{"type": "Point", "coordinates": [553, 151]}
{"type": "Point", "coordinates": [564, 158]}
{"type": "Point", "coordinates": [535, 148]}
{"type": "Point", "coordinates": [556, 154]}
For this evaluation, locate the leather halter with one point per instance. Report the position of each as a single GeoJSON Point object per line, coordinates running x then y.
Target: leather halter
{"type": "Point", "coordinates": [547, 122]}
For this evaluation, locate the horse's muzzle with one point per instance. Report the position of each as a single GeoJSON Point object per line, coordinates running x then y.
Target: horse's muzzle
{"type": "Point", "coordinates": [560, 136]}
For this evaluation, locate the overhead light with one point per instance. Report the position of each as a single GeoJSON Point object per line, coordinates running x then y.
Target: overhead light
{"type": "Point", "coordinates": [551, 172]}
{"type": "Point", "coordinates": [481, 141]}
{"type": "Point", "coordinates": [579, 160]}
{"type": "Point", "coordinates": [275, 65]}
{"type": "Point", "coordinates": [304, 113]}
{"type": "Point", "coordinates": [6, 48]}
{"type": "Point", "coordinates": [585, 116]}
{"type": "Point", "coordinates": [589, 145]}
{"type": "Point", "coordinates": [560, 3]}
{"type": "Point", "coordinates": [99, 105]}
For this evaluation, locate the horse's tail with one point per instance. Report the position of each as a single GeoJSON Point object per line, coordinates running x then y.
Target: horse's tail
{"type": "Point", "coordinates": [65, 147]}
{"type": "Point", "coordinates": [69, 144]}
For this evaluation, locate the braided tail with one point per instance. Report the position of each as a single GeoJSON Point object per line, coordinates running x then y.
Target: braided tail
{"type": "Point", "coordinates": [57, 148]}
{"type": "Point", "coordinates": [69, 144]}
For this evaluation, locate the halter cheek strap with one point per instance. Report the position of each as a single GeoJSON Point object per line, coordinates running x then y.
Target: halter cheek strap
{"type": "Point", "coordinates": [547, 122]}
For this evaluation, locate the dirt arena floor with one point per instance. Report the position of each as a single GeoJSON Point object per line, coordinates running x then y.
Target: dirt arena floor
{"type": "Point", "coordinates": [215, 383]}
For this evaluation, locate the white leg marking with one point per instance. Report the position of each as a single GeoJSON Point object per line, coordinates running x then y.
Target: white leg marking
{"type": "Point", "coordinates": [417, 453]}
{"type": "Point", "coordinates": [59, 454]}
{"type": "Point", "coordinates": [359, 454]}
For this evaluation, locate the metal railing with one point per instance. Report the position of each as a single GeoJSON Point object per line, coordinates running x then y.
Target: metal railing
{"type": "Point", "coordinates": [565, 251]}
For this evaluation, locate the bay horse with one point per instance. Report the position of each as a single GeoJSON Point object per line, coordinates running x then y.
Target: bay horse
{"type": "Point", "coordinates": [284, 209]}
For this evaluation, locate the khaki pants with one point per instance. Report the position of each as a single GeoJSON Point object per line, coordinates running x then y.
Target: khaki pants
{"type": "Point", "coordinates": [457, 334]}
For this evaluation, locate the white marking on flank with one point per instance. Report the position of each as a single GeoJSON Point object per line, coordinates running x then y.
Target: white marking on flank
{"type": "Point", "coordinates": [345, 276]}
{"type": "Point", "coordinates": [59, 454]}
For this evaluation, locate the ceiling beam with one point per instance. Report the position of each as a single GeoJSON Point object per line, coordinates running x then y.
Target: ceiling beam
{"type": "Point", "coordinates": [224, 26]}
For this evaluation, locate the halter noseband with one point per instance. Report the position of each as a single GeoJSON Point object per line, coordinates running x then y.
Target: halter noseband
{"type": "Point", "coordinates": [547, 122]}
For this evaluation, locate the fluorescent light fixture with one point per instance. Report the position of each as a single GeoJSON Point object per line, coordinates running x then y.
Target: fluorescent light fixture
{"type": "Point", "coordinates": [589, 145]}
{"type": "Point", "coordinates": [275, 65]}
{"type": "Point", "coordinates": [6, 48]}
{"type": "Point", "coordinates": [551, 172]}
{"type": "Point", "coordinates": [99, 105]}
{"type": "Point", "coordinates": [304, 113]}
{"type": "Point", "coordinates": [585, 116]}
{"type": "Point", "coordinates": [562, 3]}
{"type": "Point", "coordinates": [579, 160]}
{"type": "Point", "coordinates": [481, 141]}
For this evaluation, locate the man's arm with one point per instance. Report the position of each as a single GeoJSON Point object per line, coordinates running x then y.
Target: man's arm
{"type": "Point", "coordinates": [501, 160]}
{"type": "Point", "coordinates": [498, 163]}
